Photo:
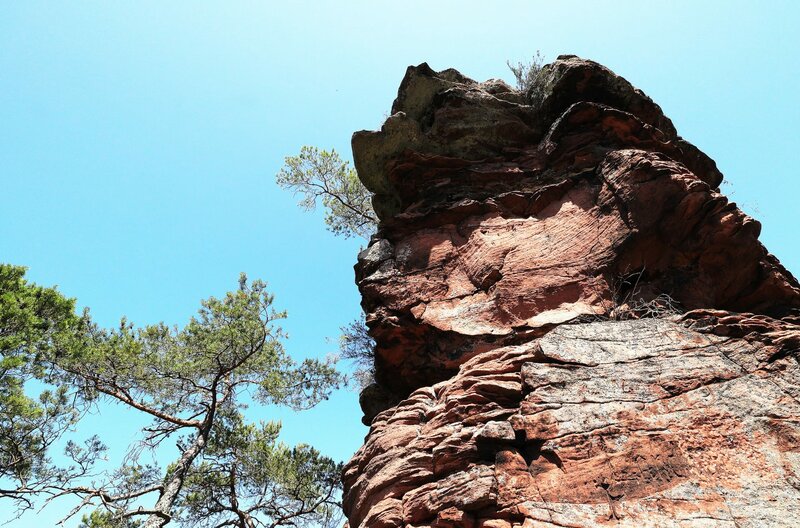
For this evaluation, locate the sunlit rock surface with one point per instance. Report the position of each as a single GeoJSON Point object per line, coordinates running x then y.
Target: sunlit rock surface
{"type": "Point", "coordinates": [517, 231]}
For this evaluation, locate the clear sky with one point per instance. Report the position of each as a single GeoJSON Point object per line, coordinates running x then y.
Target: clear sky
{"type": "Point", "coordinates": [139, 140]}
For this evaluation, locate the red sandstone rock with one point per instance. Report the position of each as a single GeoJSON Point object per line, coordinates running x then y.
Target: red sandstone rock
{"type": "Point", "coordinates": [629, 423]}
{"type": "Point", "coordinates": [508, 225]}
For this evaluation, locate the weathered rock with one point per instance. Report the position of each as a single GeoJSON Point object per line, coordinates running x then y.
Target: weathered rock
{"type": "Point", "coordinates": [511, 227]}
{"type": "Point", "coordinates": [631, 423]}
{"type": "Point", "coordinates": [510, 218]}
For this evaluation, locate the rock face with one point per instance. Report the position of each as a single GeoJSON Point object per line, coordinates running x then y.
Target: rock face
{"type": "Point", "coordinates": [526, 291]}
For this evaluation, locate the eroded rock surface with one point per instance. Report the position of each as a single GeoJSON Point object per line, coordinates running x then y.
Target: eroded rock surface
{"type": "Point", "coordinates": [631, 423]}
{"type": "Point", "coordinates": [516, 231]}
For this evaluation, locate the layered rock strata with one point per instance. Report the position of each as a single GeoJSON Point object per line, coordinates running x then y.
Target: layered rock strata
{"type": "Point", "coordinates": [573, 326]}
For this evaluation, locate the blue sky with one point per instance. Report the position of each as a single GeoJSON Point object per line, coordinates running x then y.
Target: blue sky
{"type": "Point", "coordinates": [139, 141]}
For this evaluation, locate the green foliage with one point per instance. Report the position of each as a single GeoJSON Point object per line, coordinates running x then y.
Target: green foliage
{"type": "Point", "coordinates": [356, 345]}
{"type": "Point", "coordinates": [525, 73]}
{"type": "Point", "coordinates": [246, 474]}
{"type": "Point", "coordinates": [231, 344]}
{"type": "Point", "coordinates": [190, 381]}
{"type": "Point", "coordinates": [101, 519]}
{"type": "Point", "coordinates": [320, 175]}
{"type": "Point", "coordinates": [36, 324]}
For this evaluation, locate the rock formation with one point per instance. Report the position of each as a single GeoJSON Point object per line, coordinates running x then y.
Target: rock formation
{"type": "Point", "coordinates": [573, 326]}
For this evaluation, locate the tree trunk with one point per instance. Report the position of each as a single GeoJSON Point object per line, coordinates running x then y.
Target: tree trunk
{"type": "Point", "coordinates": [162, 511]}
{"type": "Point", "coordinates": [245, 521]}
